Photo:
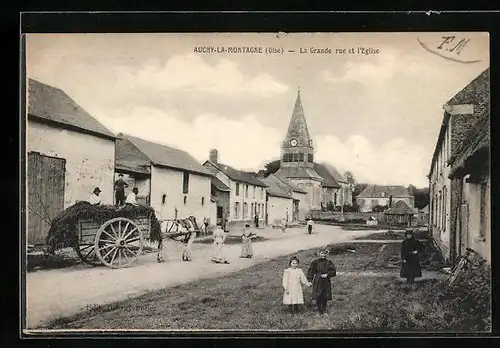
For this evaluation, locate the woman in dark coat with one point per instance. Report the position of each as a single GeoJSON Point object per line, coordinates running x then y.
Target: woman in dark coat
{"type": "Point", "coordinates": [410, 250]}
{"type": "Point", "coordinates": [319, 273]}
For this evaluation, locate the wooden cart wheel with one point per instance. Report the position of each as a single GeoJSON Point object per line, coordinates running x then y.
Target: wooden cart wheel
{"type": "Point", "coordinates": [118, 243]}
{"type": "Point", "coordinates": [86, 252]}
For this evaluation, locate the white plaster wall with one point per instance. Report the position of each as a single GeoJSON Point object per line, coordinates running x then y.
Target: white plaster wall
{"type": "Point", "coordinates": [90, 160]}
{"type": "Point", "coordinates": [169, 182]}
{"type": "Point", "coordinates": [278, 208]}
{"type": "Point", "coordinates": [260, 198]}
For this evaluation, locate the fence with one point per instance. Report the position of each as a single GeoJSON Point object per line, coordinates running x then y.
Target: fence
{"type": "Point", "coordinates": [333, 215]}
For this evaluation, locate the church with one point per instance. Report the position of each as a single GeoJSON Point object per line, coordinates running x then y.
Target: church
{"type": "Point", "coordinates": [322, 182]}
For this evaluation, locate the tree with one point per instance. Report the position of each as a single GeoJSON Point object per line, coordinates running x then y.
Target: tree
{"type": "Point", "coordinates": [350, 178]}
{"type": "Point", "coordinates": [271, 167]}
{"type": "Point", "coordinates": [421, 197]}
{"type": "Point", "coordinates": [358, 188]}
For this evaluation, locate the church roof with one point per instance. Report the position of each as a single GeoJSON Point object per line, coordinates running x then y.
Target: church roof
{"type": "Point", "coordinates": [327, 175]}
{"type": "Point", "coordinates": [299, 173]}
{"type": "Point", "coordinates": [297, 129]}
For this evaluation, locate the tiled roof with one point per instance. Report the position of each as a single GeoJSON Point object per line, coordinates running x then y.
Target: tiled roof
{"type": "Point", "coordinates": [167, 156]}
{"type": "Point", "coordinates": [131, 167]}
{"type": "Point", "coordinates": [335, 173]}
{"type": "Point", "coordinates": [377, 191]}
{"type": "Point", "coordinates": [273, 189]}
{"type": "Point", "coordinates": [400, 208]}
{"type": "Point", "coordinates": [51, 104]}
{"type": "Point", "coordinates": [477, 93]}
{"type": "Point", "coordinates": [286, 183]}
{"type": "Point", "coordinates": [327, 175]}
{"type": "Point", "coordinates": [477, 140]}
{"type": "Point", "coordinates": [298, 173]}
{"type": "Point", "coordinates": [238, 175]}
{"type": "Point", "coordinates": [219, 185]}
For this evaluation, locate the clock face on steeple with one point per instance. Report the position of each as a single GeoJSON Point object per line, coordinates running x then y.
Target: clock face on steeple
{"type": "Point", "coordinates": [310, 142]}
{"type": "Point", "coordinates": [293, 142]}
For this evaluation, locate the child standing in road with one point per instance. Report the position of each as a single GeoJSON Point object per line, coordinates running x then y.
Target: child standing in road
{"type": "Point", "coordinates": [293, 278]}
{"type": "Point", "coordinates": [246, 248]}
{"type": "Point", "coordinates": [310, 224]}
{"type": "Point", "coordinates": [319, 273]}
{"type": "Point", "coordinates": [219, 239]}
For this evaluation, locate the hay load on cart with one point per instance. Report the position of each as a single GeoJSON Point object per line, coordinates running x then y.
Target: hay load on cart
{"type": "Point", "coordinates": [104, 234]}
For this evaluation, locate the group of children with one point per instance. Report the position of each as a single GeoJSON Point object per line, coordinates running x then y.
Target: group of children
{"type": "Point", "coordinates": [318, 276]}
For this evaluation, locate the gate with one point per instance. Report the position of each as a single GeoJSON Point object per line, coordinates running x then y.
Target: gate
{"type": "Point", "coordinates": [46, 176]}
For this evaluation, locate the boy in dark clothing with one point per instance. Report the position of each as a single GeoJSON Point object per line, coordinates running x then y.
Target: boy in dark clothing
{"type": "Point", "coordinates": [319, 273]}
{"type": "Point", "coordinates": [120, 190]}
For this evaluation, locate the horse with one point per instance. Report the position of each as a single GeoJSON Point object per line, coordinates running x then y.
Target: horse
{"type": "Point", "coordinates": [187, 227]}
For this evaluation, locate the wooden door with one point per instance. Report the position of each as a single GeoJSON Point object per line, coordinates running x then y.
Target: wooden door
{"type": "Point", "coordinates": [464, 227]}
{"type": "Point", "coordinates": [46, 179]}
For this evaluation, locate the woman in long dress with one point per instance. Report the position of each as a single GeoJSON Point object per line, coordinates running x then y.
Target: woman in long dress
{"type": "Point", "coordinates": [410, 250]}
{"type": "Point", "coordinates": [246, 248]}
{"type": "Point", "coordinates": [219, 239]}
{"type": "Point", "coordinates": [293, 279]}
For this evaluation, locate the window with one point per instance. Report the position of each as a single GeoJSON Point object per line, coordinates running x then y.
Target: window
{"type": "Point", "coordinates": [252, 210]}
{"type": "Point", "coordinates": [245, 210]}
{"type": "Point", "coordinates": [261, 193]}
{"type": "Point", "coordinates": [185, 200]}
{"type": "Point", "coordinates": [202, 200]}
{"type": "Point", "coordinates": [185, 183]}
{"type": "Point", "coordinates": [254, 192]}
{"type": "Point", "coordinates": [301, 157]}
{"type": "Point", "coordinates": [444, 209]}
{"type": "Point", "coordinates": [246, 191]}
{"type": "Point", "coordinates": [237, 189]}
{"type": "Point", "coordinates": [310, 158]}
{"type": "Point", "coordinates": [236, 209]}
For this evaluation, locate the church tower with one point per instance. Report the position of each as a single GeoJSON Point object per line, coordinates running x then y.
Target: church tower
{"type": "Point", "coordinates": [297, 156]}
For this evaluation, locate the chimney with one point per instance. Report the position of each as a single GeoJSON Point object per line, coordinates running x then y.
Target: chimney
{"type": "Point", "coordinates": [214, 156]}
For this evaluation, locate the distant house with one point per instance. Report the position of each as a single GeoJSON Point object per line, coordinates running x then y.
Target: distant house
{"type": "Point", "coordinates": [470, 172]}
{"type": "Point", "coordinates": [69, 153]}
{"type": "Point", "coordinates": [423, 215]}
{"type": "Point", "coordinates": [279, 202]}
{"type": "Point", "coordinates": [400, 214]}
{"type": "Point", "coordinates": [247, 193]}
{"type": "Point", "coordinates": [171, 180]}
{"type": "Point", "coordinates": [220, 197]}
{"type": "Point", "coordinates": [460, 115]}
{"type": "Point", "coordinates": [374, 195]}
{"type": "Point", "coordinates": [299, 196]}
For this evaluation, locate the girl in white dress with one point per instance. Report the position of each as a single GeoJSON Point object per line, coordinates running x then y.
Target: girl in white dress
{"type": "Point", "coordinates": [293, 278]}
{"type": "Point", "coordinates": [219, 239]}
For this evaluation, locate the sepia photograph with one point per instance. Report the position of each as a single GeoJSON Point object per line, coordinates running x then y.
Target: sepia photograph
{"type": "Point", "coordinates": [236, 182]}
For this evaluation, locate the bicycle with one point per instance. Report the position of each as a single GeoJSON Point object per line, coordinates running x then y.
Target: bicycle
{"type": "Point", "coordinates": [460, 266]}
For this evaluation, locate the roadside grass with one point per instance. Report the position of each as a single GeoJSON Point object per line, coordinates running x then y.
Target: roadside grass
{"type": "Point", "coordinates": [251, 300]}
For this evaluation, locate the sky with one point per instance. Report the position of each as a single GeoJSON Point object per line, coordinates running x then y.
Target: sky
{"type": "Point", "coordinates": [376, 115]}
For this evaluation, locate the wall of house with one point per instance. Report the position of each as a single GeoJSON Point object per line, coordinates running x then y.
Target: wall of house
{"type": "Point", "coordinates": [170, 182]}
{"type": "Point", "coordinates": [141, 182]}
{"type": "Point", "coordinates": [221, 199]}
{"type": "Point", "coordinates": [280, 209]}
{"type": "Point", "coordinates": [237, 203]}
{"type": "Point", "coordinates": [314, 192]}
{"type": "Point", "coordinates": [90, 160]}
{"type": "Point", "coordinates": [366, 204]}
{"type": "Point", "coordinates": [302, 197]}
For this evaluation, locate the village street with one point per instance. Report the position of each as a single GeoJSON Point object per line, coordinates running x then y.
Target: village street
{"type": "Point", "coordinates": [63, 292]}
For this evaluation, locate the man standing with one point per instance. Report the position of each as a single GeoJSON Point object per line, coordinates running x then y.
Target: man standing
{"type": "Point", "coordinates": [120, 190]}
{"type": "Point", "coordinates": [132, 197]}
{"type": "Point", "coordinates": [256, 220]}
{"type": "Point", "coordinates": [94, 197]}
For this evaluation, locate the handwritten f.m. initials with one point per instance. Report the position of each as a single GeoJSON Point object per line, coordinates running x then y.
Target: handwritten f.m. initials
{"type": "Point", "coordinates": [448, 42]}
{"type": "Point", "coordinates": [460, 46]}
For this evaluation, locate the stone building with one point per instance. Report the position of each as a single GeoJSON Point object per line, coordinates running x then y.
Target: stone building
{"type": "Point", "coordinates": [460, 115]}
{"type": "Point", "coordinates": [374, 195]}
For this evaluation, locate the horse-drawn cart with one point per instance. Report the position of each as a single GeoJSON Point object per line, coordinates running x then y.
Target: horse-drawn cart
{"type": "Point", "coordinates": [116, 243]}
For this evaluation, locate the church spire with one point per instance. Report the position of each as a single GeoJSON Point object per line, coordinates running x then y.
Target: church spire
{"type": "Point", "coordinates": [297, 129]}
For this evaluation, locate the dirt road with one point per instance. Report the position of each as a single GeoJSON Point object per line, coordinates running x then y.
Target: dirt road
{"type": "Point", "coordinates": [56, 293]}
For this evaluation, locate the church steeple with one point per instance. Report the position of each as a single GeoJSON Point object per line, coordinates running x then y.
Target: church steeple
{"type": "Point", "coordinates": [298, 134]}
